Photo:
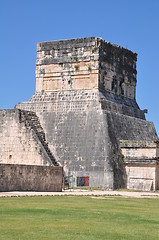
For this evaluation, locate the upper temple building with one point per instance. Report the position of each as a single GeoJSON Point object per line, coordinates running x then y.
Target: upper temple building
{"type": "Point", "coordinates": [85, 105]}
{"type": "Point", "coordinates": [89, 63]}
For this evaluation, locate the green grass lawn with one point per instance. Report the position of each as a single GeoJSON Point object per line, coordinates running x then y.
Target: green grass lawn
{"type": "Point", "coordinates": [76, 217]}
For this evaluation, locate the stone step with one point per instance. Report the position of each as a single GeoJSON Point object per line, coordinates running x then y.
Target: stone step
{"type": "Point", "coordinates": [32, 122]}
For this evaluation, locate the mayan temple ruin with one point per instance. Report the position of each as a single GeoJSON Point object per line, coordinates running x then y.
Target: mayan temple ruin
{"type": "Point", "coordinates": [83, 121]}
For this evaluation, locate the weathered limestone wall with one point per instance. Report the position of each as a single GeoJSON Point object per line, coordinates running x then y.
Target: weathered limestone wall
{"type": "Point", "coordinates": [139, 149]}
{"type": "Point", "coordinates": [141, 164]}
{"type": "Point", "coordinates": [76, 138]}
{"type": "Point", "coordinates": [141, 177]}
{"type": "Point", "coordinates": [86, 138]}
{"type": "Point", "coordinates": [86, 63]}
{"type": "Point", "coordinates": [81, 100]}
{"type": "Point", "coordinates": [117, 70]}
{"type": "Point", "coordinates": [126, 128]}
{"type": "Point", "coordinates": [123, 127]}
{"type": "Point", "coordinates": [66, 65]}
{"type": "Point", "coordinates": [30, 178]}
{"type": "Point", "coordinates": [19, 143]}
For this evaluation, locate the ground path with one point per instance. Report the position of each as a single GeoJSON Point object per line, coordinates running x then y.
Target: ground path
{"type": "Point", "coordinates": [82, 193]}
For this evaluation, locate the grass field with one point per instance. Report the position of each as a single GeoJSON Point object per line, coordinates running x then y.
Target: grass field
{"type": "Point", "coordinates": [76, 217]}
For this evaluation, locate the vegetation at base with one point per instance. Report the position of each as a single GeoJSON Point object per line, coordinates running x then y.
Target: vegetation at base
{"type": "Point", "coordinates": [79, 217]}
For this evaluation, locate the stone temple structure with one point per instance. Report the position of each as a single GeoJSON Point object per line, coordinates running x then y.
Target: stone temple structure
{"type": "Point", "coordinates": [84, 117]}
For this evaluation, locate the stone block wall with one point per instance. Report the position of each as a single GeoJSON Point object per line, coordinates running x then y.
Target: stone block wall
{"type": "Point", "coordinates": [20, 143]}
{"type": "Point", "coordinates": [141, 177]}
{"type": "Point", "coordinates": [86, 138]}
{"type": "Point", "coordinates": [66, 65]}
{"type": "Point", "coordinates": [86, 63]}
{"type": "Point", "coordinates": [117, 70]}
{"type": "Point", "coordinates": [141, 164]}
{"type": "Point", "coordinates": [14, 177]}
{"type": "Point", "coordinates": [139, 149]}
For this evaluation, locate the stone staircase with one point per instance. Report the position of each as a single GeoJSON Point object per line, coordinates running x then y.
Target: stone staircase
{"type": "Point", "coordinates": [32, 121]}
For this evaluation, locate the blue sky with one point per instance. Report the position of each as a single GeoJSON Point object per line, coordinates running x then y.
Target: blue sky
{"type": "Point", "coordinates": [133, 24]}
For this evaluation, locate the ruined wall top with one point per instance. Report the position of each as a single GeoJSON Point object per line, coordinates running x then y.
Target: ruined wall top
{"type": "Point", "coordinates": [85, 63]}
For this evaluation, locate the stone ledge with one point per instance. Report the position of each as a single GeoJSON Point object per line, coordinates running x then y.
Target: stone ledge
{"type": "Point", "coordinates": [138, 144]}
{"type": "Point", "coordinates": [144, 161]}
